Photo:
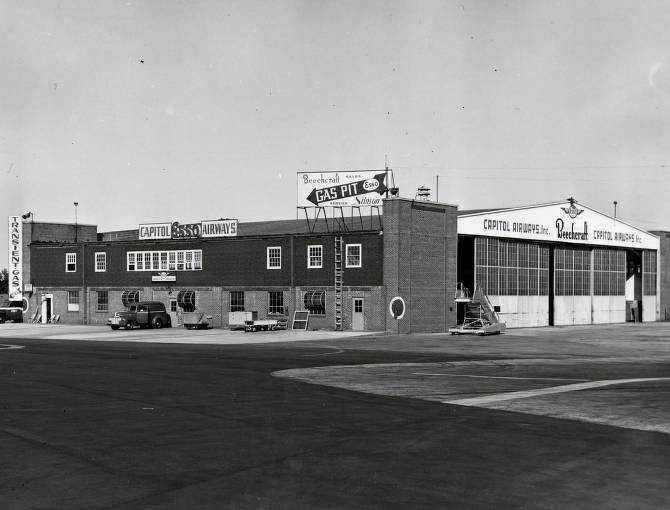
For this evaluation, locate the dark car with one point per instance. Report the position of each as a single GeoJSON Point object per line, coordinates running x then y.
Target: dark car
{"type": "Point", "coordinates": [145, 314]}
{"type": "Point", "coordinates": [11, 314]}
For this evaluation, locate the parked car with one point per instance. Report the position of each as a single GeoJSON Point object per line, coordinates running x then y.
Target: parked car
{"type": "Point", "coordinates": [11, 314]}
{"type": "Point", "coordinates": [145, 314]}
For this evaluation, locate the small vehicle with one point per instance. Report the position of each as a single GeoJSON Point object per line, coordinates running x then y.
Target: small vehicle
{"type": "Point", "coordinates": [145, 314]}
{"type": "Point", "coordinates": [11, 314]}
{"type": "Point", "coordinates": [197, 320]}
{"type": "Point", "coordinates": [268, 324]}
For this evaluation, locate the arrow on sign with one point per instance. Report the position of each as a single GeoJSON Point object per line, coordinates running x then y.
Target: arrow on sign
{"type": "Point", "coordinates": [350, 189]}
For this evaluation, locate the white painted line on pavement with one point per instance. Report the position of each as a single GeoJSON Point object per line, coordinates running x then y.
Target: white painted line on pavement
{"type": "Point", "coordinates": [513, 395]}
{"type": "Point", "coordinates": [502, 377]}
{"type": "Point", "coordinates": [9, 347]}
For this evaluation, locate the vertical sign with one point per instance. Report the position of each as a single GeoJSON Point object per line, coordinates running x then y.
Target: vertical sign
{"type": "Point", "coordinates": [15, 259]}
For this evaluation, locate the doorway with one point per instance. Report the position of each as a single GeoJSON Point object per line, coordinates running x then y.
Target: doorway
{"type": "Point", "coordinates": [173, 310]}
{"type": "Point", "coordinates": [357, 316]}
{"type": "Point", "coordinates": [47, 308]}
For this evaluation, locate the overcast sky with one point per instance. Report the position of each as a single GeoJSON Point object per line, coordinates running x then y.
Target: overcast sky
{"type": "Point", "coordinates": [150, 111]}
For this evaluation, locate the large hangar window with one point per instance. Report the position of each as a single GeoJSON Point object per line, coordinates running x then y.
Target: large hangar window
{"type": "Point", "coordinates": [572, 270]}
{"type": "Point", "coordinates": [511, 268]}
{"type": "Point", "coordinates": [609, 272]}
{"type": "Point", "coordinates": [649, 272]}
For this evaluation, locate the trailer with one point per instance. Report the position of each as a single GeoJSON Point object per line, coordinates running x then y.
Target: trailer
{"type": "Point", "coordinates": [266, 324]}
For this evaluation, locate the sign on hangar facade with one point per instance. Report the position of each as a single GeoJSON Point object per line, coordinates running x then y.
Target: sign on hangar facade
{"type": "Point", "coordinates": [563, 222]}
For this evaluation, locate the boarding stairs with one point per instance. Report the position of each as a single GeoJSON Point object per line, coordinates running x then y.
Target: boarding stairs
{"type": "Point", "coordinates": [480, 318]}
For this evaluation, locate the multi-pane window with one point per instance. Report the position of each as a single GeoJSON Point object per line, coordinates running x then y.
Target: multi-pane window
{"type": "Point", "coordinates": [100, 262]}
{"type": "Point", "coordinates": [72, 300]}
{"type": "Point", "coordinates": [314, 256]}
{"type": "Point", "coordinates": [315, 302]}
{"type": "Point", "coordinates": [275, 302]}
{"type": "Point", "coordinates": [236, 300]}
{"type": "Point", "coordinates": [649, 272]}
{"type": "Point", "coordinates": [609, 272]}
{"type": "Point", "coordinates": [274, 257]}
{"type": "Point", "coordinates": [176, 260]}
{"type": "Point", "coordinates": [353, 255]}
{"type": "Point", "coordinates": [70, 262]}
{"type": "Point", "coordinates": [102, 304]}
{"type": "Point", "coordinates": [572, 272]}
{"type": "Point", "coordinates": [511, 268]}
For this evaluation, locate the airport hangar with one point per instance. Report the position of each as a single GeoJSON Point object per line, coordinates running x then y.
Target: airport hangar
{"type": "Point", "coordinates": [551, 264]}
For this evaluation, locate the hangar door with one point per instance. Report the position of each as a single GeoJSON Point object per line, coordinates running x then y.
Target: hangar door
{"type": "Point", "coordinates": [572, 286]}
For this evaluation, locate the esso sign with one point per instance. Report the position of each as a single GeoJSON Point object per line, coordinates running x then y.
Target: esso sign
{"type": "Point", "coordinates": [397, 307]}
{"type": "Point", "coordinates": [371, 185]}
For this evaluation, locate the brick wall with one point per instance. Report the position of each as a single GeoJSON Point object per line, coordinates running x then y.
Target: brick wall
{"type": "Point", "coordinates": [420, 243]}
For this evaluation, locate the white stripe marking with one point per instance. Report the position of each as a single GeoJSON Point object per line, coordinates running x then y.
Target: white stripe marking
{"type": "Point", "coordinates": [501, 377]}
{"type": "Point", "coordinates": [9, 347]}
{"type": "Point", "coordinates": [499, 397]}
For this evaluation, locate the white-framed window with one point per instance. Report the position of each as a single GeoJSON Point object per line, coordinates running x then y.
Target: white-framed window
{"type": "Point", "coordinates": [275, 302]}
{"type": "Point", "coordinates": [353, 255]}
{"type": "Point", "coordinates": [100, 262]}
{"type": "Point", "coordinates": [175, 260]}
{"type": "Point", "coordinates": [274, 257]}
{"type": "Point", "coordinates": [72, 300]}
{"type": "Point", "coordinates": [314, 256]}
{"type": "Point", "coordinates": [70, 262]}
{"type": "Point", "coordinates": [103, 301]}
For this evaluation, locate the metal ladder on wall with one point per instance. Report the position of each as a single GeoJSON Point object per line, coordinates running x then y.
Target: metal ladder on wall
{"type": "Point", "coordinates": [338, 283]}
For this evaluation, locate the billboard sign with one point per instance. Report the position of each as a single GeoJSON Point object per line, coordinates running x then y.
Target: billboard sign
{"type": "Point", "coordinates": [176, 230]}
{"type": "Point", "coordinates": [337, 189]}
{"type": "Point", "coordinates": [15, 259]}
{"type": "Point", "coordinates": [568, 223]}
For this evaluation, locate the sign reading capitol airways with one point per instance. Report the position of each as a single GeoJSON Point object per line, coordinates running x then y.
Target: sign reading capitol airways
{"type": "Point", "coordinates": [568, 223]}
{"type": "Point", "coordinates": [176, 230]}
{"type": "Point", "coordinates": [339, 189]}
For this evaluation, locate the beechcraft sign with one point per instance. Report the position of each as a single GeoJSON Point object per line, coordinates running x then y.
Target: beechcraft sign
{"type": "Point", "coordinates": [341, 188]}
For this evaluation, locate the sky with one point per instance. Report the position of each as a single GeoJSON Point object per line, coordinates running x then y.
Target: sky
{"type": "Point", "coordinates": [163, 110]}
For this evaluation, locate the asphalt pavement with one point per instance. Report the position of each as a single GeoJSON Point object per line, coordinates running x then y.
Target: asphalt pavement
{"type": "Point", "coordinates": [330, 423]}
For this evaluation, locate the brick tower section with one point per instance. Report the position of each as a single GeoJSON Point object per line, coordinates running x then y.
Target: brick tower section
{"type": "Point", "coordinates": [420, 240]}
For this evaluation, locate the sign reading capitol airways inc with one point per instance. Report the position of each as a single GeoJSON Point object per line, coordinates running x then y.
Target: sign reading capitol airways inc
{"type": "Point", "coordinates": [568, 223]}
{"type": "Point", "coordinates": [337, 189]}
{"type": "Point", "coordinates": [15, 258]}
{"type": "Point", "coordinates": [176, 230]}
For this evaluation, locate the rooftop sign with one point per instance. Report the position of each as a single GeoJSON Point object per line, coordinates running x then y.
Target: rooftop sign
{"type": "Point", "coordinates": [355, 188]}
{"type": "Point", "coordinates": [176, 230]}
{"type": "Point", "coordinates": [569, 223]}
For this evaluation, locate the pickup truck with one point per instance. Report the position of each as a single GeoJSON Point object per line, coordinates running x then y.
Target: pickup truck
{"type": "Point", "coordinates": [145, 314]}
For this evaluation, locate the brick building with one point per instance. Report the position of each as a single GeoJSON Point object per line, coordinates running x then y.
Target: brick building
{"type": "Point", "coordinates": [550, 264]}
{"type": "Point", "coordinates": [273, 267]}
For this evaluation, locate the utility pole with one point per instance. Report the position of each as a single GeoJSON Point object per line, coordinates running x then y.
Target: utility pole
{"type": "Point", "coordinates": [615, 203]}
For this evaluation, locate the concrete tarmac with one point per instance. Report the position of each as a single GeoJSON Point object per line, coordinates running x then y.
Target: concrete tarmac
{"type": "Point", "coordinates": [149, 423]}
